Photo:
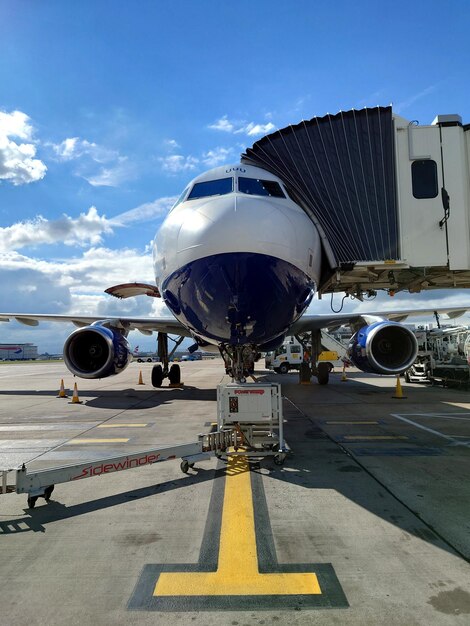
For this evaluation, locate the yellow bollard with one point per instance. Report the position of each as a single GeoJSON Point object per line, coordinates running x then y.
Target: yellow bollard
{"type": "Point", "coordinates": [141, 382]}
{"type": "Point", "coordinates": [75, 399]}
{"type": "Point", "coordinates": [62, 393]}
{"type": "Point", "coordinates": [398, 390]}
{"type": "Point", "coordinates": [343, 375]}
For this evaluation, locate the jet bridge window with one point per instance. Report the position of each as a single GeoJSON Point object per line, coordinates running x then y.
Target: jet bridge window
{"type": "Point", "coordinates": [424, 179]}
{"type": "Point", "coordinates": [208, 188]}
{"type": "Point", "coordinates": [257, 187]}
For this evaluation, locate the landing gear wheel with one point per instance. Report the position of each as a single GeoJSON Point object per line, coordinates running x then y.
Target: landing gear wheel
{"type": "Point", "coordinates": [184, 466]}
{"type": "Point", "coordinates": [175, 374]}
{"type": "Point", "coordinates": [283, 368]}
{"type": "Point", "coordinates": [32, 501]}
{"type": "Point", "coordinates": [157, 375]}
{"type": "Point", "coordinates": [323, 374]}
{"type": "Point", "coordinates": [48, 493]}
{"type": "Point", "coordinates": [279, 458]}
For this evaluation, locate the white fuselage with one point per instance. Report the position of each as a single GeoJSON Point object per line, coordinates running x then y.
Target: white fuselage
{"type": "Point", "coordinates": [234, 234]}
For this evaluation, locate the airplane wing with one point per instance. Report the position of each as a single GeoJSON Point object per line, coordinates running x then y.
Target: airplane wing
{"type": "Point", "coordinates": [146, 325]}
{"type": "Point", "coordinates": [308, 323]}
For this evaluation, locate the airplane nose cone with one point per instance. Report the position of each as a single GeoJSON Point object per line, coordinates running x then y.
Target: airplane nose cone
{"type": "Point", "coordinates": [238, 298]}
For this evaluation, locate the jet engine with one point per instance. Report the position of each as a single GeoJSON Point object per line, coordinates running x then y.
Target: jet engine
{"type": "Point", "coordinates": [96, 351]}
{"type": "Point", "coordinates": [383, 348]}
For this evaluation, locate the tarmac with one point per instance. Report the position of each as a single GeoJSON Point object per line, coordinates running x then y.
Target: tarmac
{"type": "Point", "coordinates": [366, 523]}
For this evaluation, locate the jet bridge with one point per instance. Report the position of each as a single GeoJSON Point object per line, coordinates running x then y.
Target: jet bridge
{"type": "Point", "coordinates": [390, 198]}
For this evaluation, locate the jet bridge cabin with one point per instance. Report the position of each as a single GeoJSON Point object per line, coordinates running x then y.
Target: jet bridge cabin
{"type": "Point", "coordinates": [390, 197]}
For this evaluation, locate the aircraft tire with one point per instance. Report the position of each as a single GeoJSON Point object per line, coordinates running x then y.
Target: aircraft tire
{"type": "Point", "coordinates": [323, 373]}
{"type": "Point", "coordinates": [175, 374]}
{"type": "Point", "coordinates": [32, 501]}
{"type": "Point", "coordinates": [157, 375]}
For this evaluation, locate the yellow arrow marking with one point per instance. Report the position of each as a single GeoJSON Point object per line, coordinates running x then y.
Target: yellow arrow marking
{"type": "Point", "coordinates": [237, 572]}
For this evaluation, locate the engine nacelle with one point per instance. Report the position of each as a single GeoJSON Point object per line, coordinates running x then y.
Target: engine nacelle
{"type": "Point", "coordinates": [383, 348]}
{"type": "Point", "coordinates": [96, 352]}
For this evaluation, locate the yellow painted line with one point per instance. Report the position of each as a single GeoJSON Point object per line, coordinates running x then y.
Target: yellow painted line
{"type": "Point", "coordinates": [122, 425]}
{"type": "Point", "coordinates": [79, 441]}
{"type": "Point", "coordinates": [381, 437]}
{"type": "Point", "coordinates": [237, 572]}
{"type": "Point", "coordinates": [351, 422]}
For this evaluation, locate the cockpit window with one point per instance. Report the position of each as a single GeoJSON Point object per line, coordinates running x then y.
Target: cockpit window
{"type": "Point", "coordinates": [257, 187]}
{"type": "Point", "coordinates": [180, 199]}
{"type": "Point", "coordinates": [211, 188]}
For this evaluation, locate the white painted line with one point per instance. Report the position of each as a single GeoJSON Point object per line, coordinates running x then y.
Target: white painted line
{"type": "Point", "coordinates": [449, 416]}
{"type": "Point", "coordinates": [430, 430]}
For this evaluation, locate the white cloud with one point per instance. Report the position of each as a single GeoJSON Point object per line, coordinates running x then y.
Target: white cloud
{"type": "Point", "coordinates": [178, 163]}
{"type": "Point", "coordinates": [145, 212]}
{"type": "Point", "coordinates": [242, 127]}
{"type": "Point", "coordinates": [17, 162]}
{"type": "Point", "coordinates": [112, 176]}
{"type": "Point", "coordinates": [223, 124]}
{"type": "Point", "coordinates": [73, 286]}
{"type": "Point", "coordinates": [87, 228]}
{"type": "Point", "coordinates": [257, 129]}
{"type": "Point", "coordinates": [171, 144]}
{"type": "Point", "coordinates": [115, 169]}
{"type": "Point", "coordinates": [217, 156]}
{"type": "Point", "coordinates": [74, 148]}
{"type": "Point", "coordinates": [404, 104]}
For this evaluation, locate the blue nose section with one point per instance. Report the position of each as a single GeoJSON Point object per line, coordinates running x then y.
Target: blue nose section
{"type": "Point", "coordinates": [238, 298]}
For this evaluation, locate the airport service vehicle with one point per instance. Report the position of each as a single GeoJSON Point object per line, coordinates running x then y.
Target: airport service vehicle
{"type": "Point", "coordinates": [196, 356]}
{"type": "Point", "coordinates": [443, 356]}
{"type": "Point", "coordinates": [293, 352]}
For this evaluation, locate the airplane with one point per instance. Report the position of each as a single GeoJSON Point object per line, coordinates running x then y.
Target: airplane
{"type": "Point", "coordinates": [237, 263]}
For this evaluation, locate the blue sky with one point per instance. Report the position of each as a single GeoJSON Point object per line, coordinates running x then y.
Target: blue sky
{"type": "Point", "coordinates": [108, 108]}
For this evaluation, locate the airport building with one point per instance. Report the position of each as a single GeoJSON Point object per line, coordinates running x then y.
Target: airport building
{"type": "Point", "coordinates": [18, 351]}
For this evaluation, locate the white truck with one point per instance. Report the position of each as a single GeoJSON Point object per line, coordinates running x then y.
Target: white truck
{"type": "Point", "coordinates": [290, 355]}
{"type": "Point", "coordinates": [443, 356]}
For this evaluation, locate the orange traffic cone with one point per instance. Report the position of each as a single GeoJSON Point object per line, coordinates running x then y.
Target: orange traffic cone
{"type": "Point", "coordinates": [75, 399]}
{"type": "Point", "coordinates": [62, 393]}
{"type": "Point", "coordinates": [141, 382]}
{"type": "Point", "coordinates": [398, 391]}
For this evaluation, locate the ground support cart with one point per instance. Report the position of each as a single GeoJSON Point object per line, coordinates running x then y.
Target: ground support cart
{"type": "Point", "coordinates": [249, 423]}
{"type": "Point", "coordinates": [254, 410]}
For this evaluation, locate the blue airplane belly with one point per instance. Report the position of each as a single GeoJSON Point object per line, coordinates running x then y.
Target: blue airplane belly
{"type": "Point", "coordinates": [238, 298]}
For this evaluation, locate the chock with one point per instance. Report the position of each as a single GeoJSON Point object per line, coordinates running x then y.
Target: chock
{"type": "Point", "coordinates": [62, 393]}
{"type": "Point", "coordinates": [141, 382]}
{"type": "Point", "coordinates": [75, 398]}
{"type": "Point", "coordinates": [398, 390]}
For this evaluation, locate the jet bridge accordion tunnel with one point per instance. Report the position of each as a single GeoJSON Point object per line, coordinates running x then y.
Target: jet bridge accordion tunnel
{"type": "Point", "coordinates": [390, 198]}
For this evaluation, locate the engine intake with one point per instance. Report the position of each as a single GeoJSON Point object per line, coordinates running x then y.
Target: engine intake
{"type": "Point", "coordinates": [96, 352]}
{"type": "Point", "coordinates": [383, 348]}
